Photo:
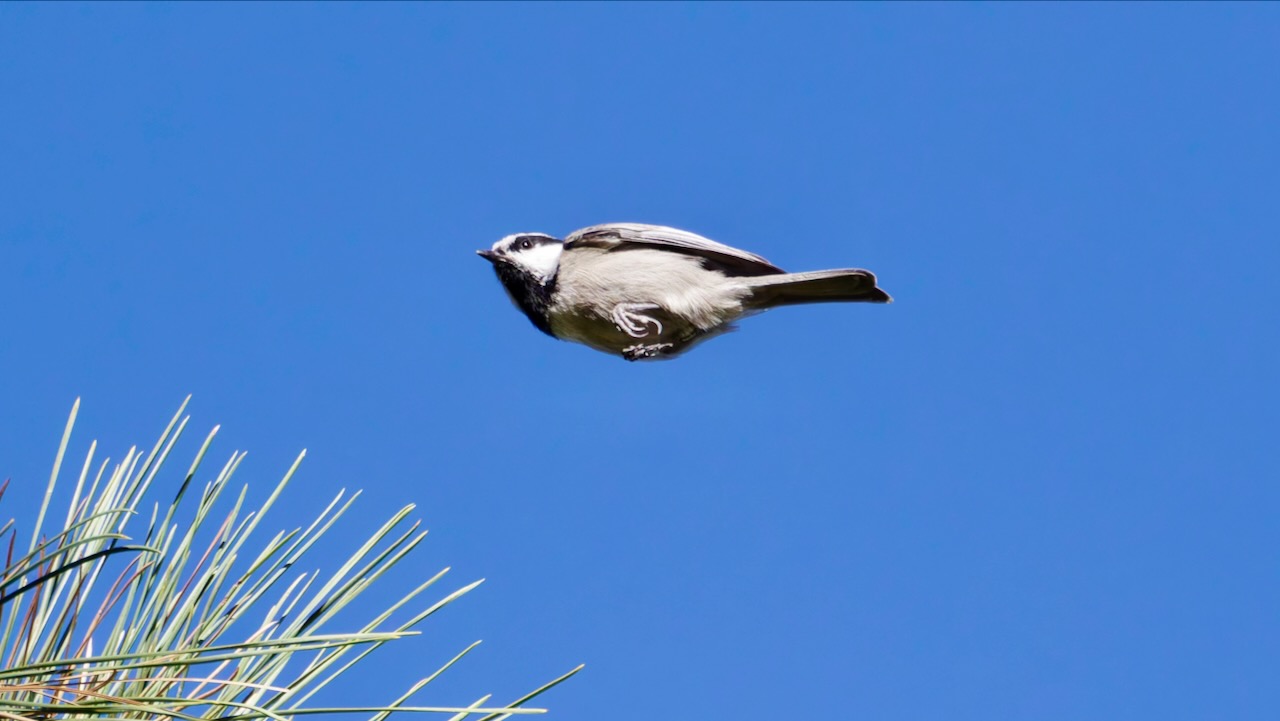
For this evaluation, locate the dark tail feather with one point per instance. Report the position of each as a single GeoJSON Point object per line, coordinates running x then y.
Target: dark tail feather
{"type": "Point", "coordinates": [820, 286]}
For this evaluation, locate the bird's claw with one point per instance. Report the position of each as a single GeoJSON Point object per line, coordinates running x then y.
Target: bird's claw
{"type": "Point", "coordinates": [642, 352]}
{"type": "Point", "coordinates": [628, 319]}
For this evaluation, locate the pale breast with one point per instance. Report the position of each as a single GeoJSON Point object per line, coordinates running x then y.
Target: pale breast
{"type": "Point", "coordinates": [690, 301]}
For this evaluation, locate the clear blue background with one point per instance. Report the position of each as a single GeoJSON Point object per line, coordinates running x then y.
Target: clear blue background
{"type": "Point", "coordinates": [1042, 484]}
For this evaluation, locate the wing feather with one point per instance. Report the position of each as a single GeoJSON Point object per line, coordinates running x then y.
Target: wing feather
{"type": "Point", "coordinates": [624, 236]}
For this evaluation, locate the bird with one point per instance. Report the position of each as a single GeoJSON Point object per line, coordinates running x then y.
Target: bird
{"type": "Point", "coordinates": [651, 292]}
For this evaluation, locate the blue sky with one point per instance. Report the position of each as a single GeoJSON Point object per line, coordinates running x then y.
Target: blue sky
{"type": "Point", "coordinates": [1041, 484]}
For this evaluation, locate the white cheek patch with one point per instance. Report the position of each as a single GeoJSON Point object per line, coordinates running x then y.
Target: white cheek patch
{"type": "Point", "coordinates": [541, 260]}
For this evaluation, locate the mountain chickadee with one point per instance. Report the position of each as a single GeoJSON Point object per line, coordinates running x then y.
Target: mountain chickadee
{"type": "Point", "coordinates": [649, 292]}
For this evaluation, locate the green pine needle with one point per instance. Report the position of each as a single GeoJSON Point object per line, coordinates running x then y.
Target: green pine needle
{"type": "Point", "coordinates": [183, 620]}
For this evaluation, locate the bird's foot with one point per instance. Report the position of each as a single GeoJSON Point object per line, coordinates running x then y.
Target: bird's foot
{"type": "Point", "coordinates": [643, 352]}
{"type": "Point", "coordinates": [629, 319]}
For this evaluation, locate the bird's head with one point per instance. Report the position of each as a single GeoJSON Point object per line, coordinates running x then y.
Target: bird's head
{"type": "Point", "coordinates": [533, 255]}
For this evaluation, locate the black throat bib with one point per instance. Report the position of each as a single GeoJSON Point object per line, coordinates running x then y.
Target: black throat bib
{"type": "Point", "coordinates": [530, 295]}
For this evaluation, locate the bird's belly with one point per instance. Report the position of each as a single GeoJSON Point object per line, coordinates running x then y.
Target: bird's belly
{"type": "Point", "coordinates": [663, 299]}
{"type": "Point", "coordinates": [604, 334]}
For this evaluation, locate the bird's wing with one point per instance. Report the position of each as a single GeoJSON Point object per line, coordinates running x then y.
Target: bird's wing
{"type": "Point", "coordinates": [624, 236]}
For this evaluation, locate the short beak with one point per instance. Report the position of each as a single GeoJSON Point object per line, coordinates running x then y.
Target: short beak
{"type": "Point", "coordinates": [488, 255]}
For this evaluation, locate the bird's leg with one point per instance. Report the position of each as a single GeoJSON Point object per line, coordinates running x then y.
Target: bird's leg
{"type": "Point", "coordinates": [628, 319]}
{"type": "Point", "coordinates": [642, 352]}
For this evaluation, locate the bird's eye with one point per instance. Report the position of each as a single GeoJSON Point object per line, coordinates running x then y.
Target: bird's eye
{"type": "Point", "coordinates": [526, 244]}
